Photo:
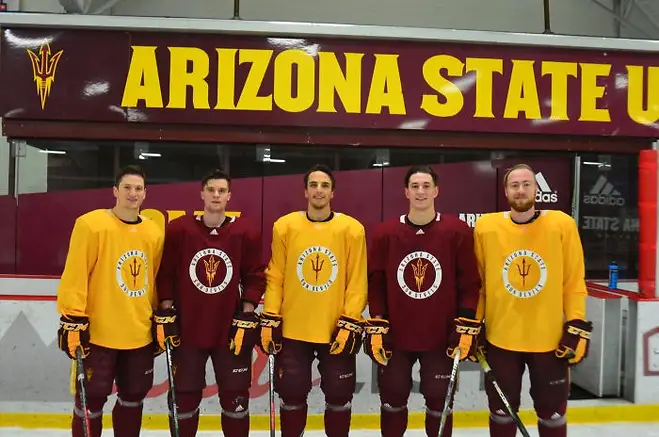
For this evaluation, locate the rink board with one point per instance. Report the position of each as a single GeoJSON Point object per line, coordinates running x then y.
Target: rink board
{"type": "Point", "coordinates": [36, 395]}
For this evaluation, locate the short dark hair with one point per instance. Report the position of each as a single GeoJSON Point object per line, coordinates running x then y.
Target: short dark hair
{"type": "Point", "coordinates": [216, 174]}
{"type": "Point", "coordinates": [323, 168]}
{"type": "Point", "coordinates": [129, 170]}
{"type": "Point", "coordinates": [420, 169]}
{"type": "Point", "coordinates": [520, 166]}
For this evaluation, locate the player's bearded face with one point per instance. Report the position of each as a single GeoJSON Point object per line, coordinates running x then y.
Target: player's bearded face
{"type": "Point", "coordinates": [216, 195]}
{"type": "Point", "coordinates": [319, 190]}
{"type": "Point", "coordinates": [131, 192]}
{"type": "Point", "coordinates": [521, 190]}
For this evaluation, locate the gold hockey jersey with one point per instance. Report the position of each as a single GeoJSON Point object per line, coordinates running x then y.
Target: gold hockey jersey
{"type": "Point", "coordinates": [533, 279]}
{"type": "Point", "coordinates": [109, 276]}
{"type": "Point", "coordinates": [317, 272]}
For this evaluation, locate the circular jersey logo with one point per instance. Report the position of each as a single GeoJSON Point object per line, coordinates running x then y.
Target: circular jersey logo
{"type": "Point", "coordinates": [132, 273]}
{"type": "Point", "coordinates": [417, 269]}
{"type": "Point", "coordinates": [524, 273]}
{"type": "Point", "coordinates": [317, 268]}
{"type": "Point", "coordinates": [204, 269]}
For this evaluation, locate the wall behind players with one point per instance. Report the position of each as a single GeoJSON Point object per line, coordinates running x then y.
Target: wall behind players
{"type": "Point", "coordinates": [59, 180]}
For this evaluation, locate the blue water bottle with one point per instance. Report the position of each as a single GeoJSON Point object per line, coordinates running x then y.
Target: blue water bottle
{"type": "Point", "coordinates": [613, 275]}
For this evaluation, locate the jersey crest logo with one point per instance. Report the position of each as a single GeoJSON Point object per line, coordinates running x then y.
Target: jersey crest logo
{"type": "Point", "coordinates": [418, 271]}
{"type": "Point", "coordinates": [132, 273]}
{"type": "Point", "coordinates": [524, 273]}
{"type": "Point", "coordinates": [204, 269]}
{"type": "Point", "coordinates": [317, 269]}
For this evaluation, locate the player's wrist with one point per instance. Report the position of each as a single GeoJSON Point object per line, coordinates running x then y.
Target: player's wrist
{"type": "Point", "coordinates": [248, 306]}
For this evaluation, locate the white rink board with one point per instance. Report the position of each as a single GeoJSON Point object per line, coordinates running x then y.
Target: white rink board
{"type": "Point", "coordinates": [643, 354]}
{"type": "Point", "coordinates": [34, 373]}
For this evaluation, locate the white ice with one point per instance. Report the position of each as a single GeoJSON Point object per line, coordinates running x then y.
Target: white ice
{"type": "Point", "coordinates": [603, 430]}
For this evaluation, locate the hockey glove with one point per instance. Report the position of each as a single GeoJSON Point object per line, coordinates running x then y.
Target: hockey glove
{"type": "Point", "coordinates": [271, 333]}
{"type": "Point", "coordinates": [465, 337]}
{"type": "Point", "coordinates": [244, 332]}
{"type": "Point", "coordinates": [377, 343]}
{"type": "Point", "coordinates": [73, 333]}
{"type": "Point", "coordinates": [164, 328]}
{"type": "Point", "coordinates": [575, 342]}
{"type": "Point", "coordinates": [347, 336]}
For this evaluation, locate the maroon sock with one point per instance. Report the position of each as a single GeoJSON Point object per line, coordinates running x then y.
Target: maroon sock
{"type": "Point", "coordinates": [235, 426]}
{"type": "Point", "coordinates": [552, 431]}
{"type": "Point", "coordinates": [433, 420]}
{"type": "Point", "coordinates": [188, 413]}
{"type": "Point", "coordinates": [293, 420]}
{"type": "Point", "coordinates": [337, 421]}
{"type": "Point", "coordinates": [501, 429]}
{"type": "Point", "coordinates": [127, 417]}
{"type": "Point", "coordinates": [393, 421]}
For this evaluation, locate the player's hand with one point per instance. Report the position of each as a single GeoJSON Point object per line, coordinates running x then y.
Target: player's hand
{"type": "Point", "coordinates": [165, 329]}
{"type": "Point", "coordinates": [244, 332]}
{"type": "Point", "coordinates": [73, 333]}
{"type": "Point", "coordinates": [271, 333]}
{"type": "Point", "coordinates": [347, 336]}
{"type": "Point", "coordinates": [575, 342]}
{"type": "Point", "coordinates": [464, 336]}
{"type": "Point", "coordinates": [377, 343]}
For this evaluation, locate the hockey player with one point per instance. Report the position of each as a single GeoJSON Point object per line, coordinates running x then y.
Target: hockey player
{"type": "Point", "coordinates": [420, 264]}
{"type": "Point", "coordinates": [533, 300]}
{"type": "Point", "coordinates": [106, 299]}
{"type": "Point", "coordinates": [315, 296]}
{"type": "Point", "coordinates": [211, 280]}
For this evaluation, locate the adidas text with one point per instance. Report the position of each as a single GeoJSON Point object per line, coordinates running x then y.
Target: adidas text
{"type": "Point", "coordinates": [601, 199]}
{"type": "Point", "coordinates": [546, 197]}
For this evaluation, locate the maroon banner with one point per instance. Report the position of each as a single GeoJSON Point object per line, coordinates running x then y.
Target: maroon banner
{"type": "Point", "coordinates": [174, 78]}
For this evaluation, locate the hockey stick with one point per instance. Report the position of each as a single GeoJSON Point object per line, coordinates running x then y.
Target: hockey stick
{"type": "Point", "coordinates": [271, 391]}
{"type": "Point", "coordinates": [488, 373]}
{"type": "Point", "coordinates": [449, 392]}
{"type": "Point", "coordinates": [80, 370]}
{"type": "Point", "coordinates": [172, 387]}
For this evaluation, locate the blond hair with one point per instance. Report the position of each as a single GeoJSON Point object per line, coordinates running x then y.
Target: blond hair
{"type": "Point", "coordinates": [516, 167]}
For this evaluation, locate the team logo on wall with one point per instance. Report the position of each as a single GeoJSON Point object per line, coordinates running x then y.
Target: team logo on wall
{"type": "Point", "coordinates": [317, 269]}
{"type": "Point", "coordinates": [206, 270]}
{"type": "Point", "coordinates": [545, 193]}
{"type": "Point", "coordinates": [419, 275]}
{"type": "Point", "coordinates": [44, 66]}
{"type": "Point", "coordinates": [603, 192]}
{"type": "Point", "coordinates": [524, 274]}
{"type": "Point", "coordinates": [132, 273]}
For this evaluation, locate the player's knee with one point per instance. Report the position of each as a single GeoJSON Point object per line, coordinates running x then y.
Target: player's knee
{"type": "Point", "coordinates": [95, 406]}
{"type": "Point", "coordinates": [500, 417]}
{"type": "Point", "coordinates": [130, 400]}
{"type": "Point", "coordinates": [235, 404]}
{"type": "Point", "coordinates": [187, 404]}
{"type": "Point", "coordinates": [551, 415]}
{"type": "Point", "coordinates": [338, 403]}
{"type": "Point", "coordinates": [393, 399]}
{"type": "Point", "coordinates": [291, 393]}
{"type": "Point", "coordinates": [434, 407]}
{"type": "Point", "coordinates": [338, 392]}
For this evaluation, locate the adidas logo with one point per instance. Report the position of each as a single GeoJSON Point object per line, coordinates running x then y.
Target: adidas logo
{"type": "Point", "coordinates": [545, 194]}
{"type": "Point", "coordinates": [603, 193]}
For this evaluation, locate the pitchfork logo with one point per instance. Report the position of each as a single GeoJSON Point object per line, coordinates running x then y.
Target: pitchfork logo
{"type": "Point", "coordinates": [44, 65]}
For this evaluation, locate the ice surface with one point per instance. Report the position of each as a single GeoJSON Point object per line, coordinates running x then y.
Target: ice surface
{"type": "Point", "coordinates": [603, 430]}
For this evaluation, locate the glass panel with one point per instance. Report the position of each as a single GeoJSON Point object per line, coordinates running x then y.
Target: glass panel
{"type": "Point", "coordinates": [608, 214]}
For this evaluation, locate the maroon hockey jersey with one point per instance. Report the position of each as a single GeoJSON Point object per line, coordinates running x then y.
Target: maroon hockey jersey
{"type": "Point", "coordinates": [208, 272]}
{"type": "Point", "coordinates": [420, 278]}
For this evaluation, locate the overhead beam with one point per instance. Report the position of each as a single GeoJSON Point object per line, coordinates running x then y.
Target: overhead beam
{"type": "Point", "coordinates": [289, 29]}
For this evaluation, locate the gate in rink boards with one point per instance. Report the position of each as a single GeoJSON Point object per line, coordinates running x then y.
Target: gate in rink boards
{"type": "Point", "coordinates": [265, 102]}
